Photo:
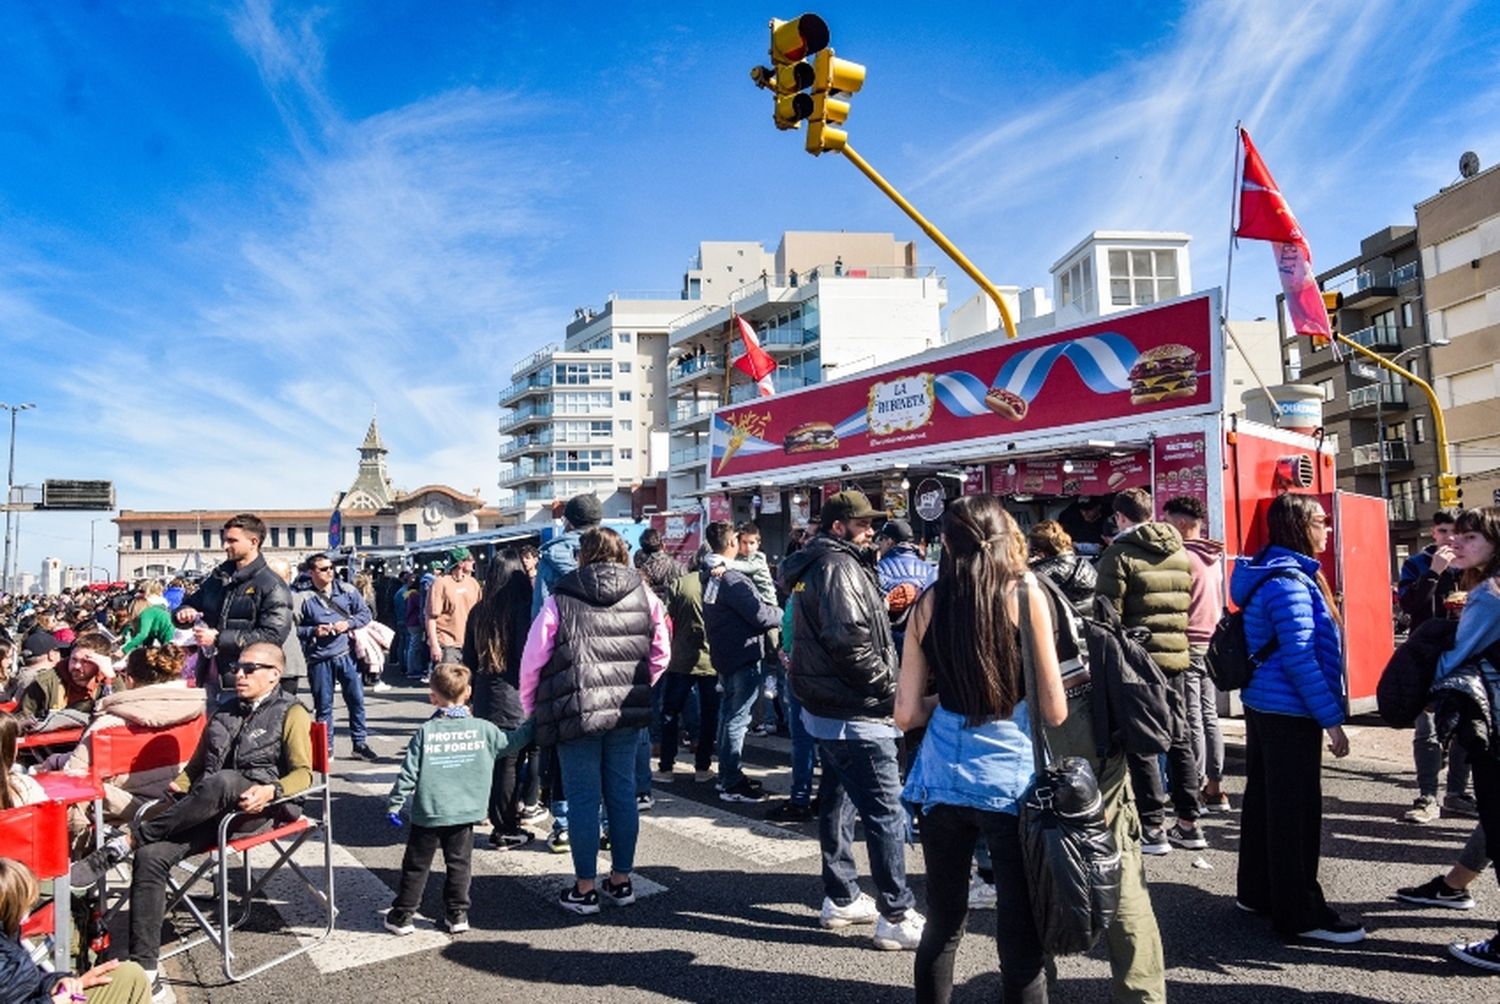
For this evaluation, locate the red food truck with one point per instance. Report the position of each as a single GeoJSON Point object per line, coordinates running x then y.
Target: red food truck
{"type": "Point", "coordinates": [1134, 399]}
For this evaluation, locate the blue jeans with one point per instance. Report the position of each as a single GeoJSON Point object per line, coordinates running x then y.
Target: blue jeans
{"type": "Point", "coordinates": [804, 752]}
{"type": "Point", "coordinates": [416, 656]}
{"type": "Point", "coordinates": [643, 763]}
{"type": "Point", "coordinates": [601, 769]}
{"type": "Point", "coordinates": [321, 676]}
{"type": "Point", "coordinates": [860, 776]}
{"type": "Point", "coordinates": [740, 690]}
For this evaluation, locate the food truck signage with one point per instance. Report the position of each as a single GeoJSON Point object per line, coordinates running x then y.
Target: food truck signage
{"type": "Point", "coordinates": [1181, 468]}
{"type": "Point", "coordinates": [1153, 362]}
{"type": "Point", "coordinates": [1088, 477]}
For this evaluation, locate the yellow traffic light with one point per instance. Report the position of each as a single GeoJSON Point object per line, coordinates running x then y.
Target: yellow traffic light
{"type": "Point", "coordinates": [832, 77]}
{"type": "Point", "coordinates": [797, 39]}
{"type": "Point", "coordinates": [1333, 302]}
{"type": "Point", "coordinates": [1450, 494]}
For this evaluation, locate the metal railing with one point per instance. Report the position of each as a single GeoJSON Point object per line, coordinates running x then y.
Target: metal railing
{"type": "Point", "coordinates": [525, 471]}
{"type": "Point", "coordinates": [1369, 453]}
{"type": "Point", "coordinates": [644, 294]}
{"type": "Point", "coordinates": [686, 411]}
{"type": "Point", "coordinates": [1407, 272]}
{"type": "Point", "coordinates": [1377, 336]}
{"type": "Point", "coordinates": [535, 382]}
{"type": "Point", "coordinates": [531, 361]}
{"type": "Point", "coordinates": [688, 366]}
{"type": "Point", "coordinates": [1383, 393]}
{"type": "Point", "coordinates": [794, 279]}
{"type": "Point", "coordinates": [533, 441]}
{"type": "Point", "coordinates": [688, 455]}
{"type": "Point", "coordinates": [741, 392]}
{"type": "Point", "coordinates": [526, 413]}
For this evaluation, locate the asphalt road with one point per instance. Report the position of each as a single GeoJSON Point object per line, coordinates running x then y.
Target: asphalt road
{"type": "Point", "coordinates": [728, 910]}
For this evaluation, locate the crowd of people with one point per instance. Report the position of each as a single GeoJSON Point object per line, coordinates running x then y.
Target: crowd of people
{"type": "Point", "coordinates": [566, 682]}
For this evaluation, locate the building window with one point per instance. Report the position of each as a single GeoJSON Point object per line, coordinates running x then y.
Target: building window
{"type": "Point", "coordinates": [624, 395]}
{"type": "Point", "coordinates": [1076, 285]}
{"type": "Point", "coordinates": [409, 533]}
{"type": "Point", "coordinates": [1424, 488]}
{"type": "Point", "coordinates": [137, 535]}
{"type": "Point", "coordinates": [580, 461]}
{"type": "Point", "coordinates": [1395, 432]}
{"type": "Point", "coordinates": [359, 536]}
{"type": "Point", "coordinates": [208, 538]}
{"type": "Point", "coordinates": [627, 424]}
{"type": "Point", "coordinates": [156, 540]}
{"type": "Point", "coordinates": [307, 536]}
{"type": "Point", "coordinates": [460, 528]}
{"type": "Point", "coordinates": [1293, 362]}
{"type": "Point", "coordinates": [291, 536]}
{"type": "Point", "coordinates": [626, 453]}
{"type": "Point", "coordinates": [1384, 321]}
{"type": "Point", "coordinates": [1326, 386]}
{"type": "Point", "coordinates": [581, 374]}
{"type": "Point", "coordinates": [624, 337]}
{"type": "Point", "coordinates": [1408, 314]}
{"type": "Point", "coordinates": [1419, 430]}
{"type": "Point", "coordinates": [374, 536]}
{"type": "Point", "coordinates": [1137, 278]}
{"type": "Point", "coordinates": [1414, 366]}
{"type": "Point", "coordinates": [1332, 439]}
{"type": "Point", "coordinates": [275, 536]}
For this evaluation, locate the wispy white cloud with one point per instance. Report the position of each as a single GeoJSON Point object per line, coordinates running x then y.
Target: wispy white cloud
{"type": "Point", "coordinates": [1149, 145]}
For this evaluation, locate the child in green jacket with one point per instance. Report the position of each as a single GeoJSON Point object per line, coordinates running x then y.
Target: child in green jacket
{"type": "Point", "coordinates": [445, 780]}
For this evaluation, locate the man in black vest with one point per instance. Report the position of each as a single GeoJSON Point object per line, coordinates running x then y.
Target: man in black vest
{"type": "Point", "coordinates": [257, 748]}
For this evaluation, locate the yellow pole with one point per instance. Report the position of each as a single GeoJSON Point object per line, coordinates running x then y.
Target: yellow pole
{"type": "Point", "coordinates": [1440, 427]}
{"type": "Point", "coordinates": [937, 236]}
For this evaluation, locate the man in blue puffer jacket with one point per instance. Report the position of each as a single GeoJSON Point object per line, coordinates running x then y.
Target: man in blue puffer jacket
{"type": "Point", "coordinates": [901, 564]}
{"type": "Point", "coordinates": [1292, 699]}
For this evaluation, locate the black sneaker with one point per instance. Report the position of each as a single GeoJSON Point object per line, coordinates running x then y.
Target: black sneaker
{"type": "Point", "coordinates": [559, 843]}
{"type": "Point", "coordinates": [1484, 954]}
{"type": "Point", "coordinates": [742, 791]}
{"type": "Point", "coordinates": [87, 873]}
{"type": "Point", "coordinates": [583, 903]}
{"type": "Point", "coordinates": [363, 751]}
{"type": "Point", "coordinates": [620, 895]}
{"type": "Point", "coordinates": [1436, 893]}
{"type": "Point", "coordinates": [1155, 842]}
{"type": "Point", "coordinates": [399, 923]}
{"type": "Point", "coordinates": [458, 923]}
{"type": "Point", "coordinates": [1336, 932]}
{"type": "Point", "coordinates": [791, 812]}
{"type": "Point", "coordinates": [510, 841]}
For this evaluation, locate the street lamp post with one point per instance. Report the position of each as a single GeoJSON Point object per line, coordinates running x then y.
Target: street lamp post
{"type": "Point", "coordinates": [92, 523]}
{"type": "Point", "coordinates": [10, 481]}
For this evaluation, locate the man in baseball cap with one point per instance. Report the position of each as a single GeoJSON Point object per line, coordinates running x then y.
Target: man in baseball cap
{"type": "Point", "coordinates": [904, 573]}
{"type": "Point", "coordinates": [40, 651]}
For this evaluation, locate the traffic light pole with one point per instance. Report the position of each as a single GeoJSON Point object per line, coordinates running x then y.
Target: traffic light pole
{"type": "Point", "coordinates": [943, 242]}
{"type": "Point", "coordinates": [1439, 425]}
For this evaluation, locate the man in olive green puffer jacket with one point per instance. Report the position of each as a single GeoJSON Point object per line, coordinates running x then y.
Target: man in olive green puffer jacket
{"type": "Point", "coordinates": [1146, 575]}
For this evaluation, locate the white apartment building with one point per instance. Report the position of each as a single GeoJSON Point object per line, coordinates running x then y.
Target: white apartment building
{"type": "Point", "coordinates": [830, 304]}
{"type": "Point", "coordinates": [51, 578]}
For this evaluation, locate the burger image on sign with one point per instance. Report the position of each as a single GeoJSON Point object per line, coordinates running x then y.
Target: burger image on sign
{"type": "Point", "coordinates": [1162, 373]}
{"type": "Point", "coordinates": [810, 437]}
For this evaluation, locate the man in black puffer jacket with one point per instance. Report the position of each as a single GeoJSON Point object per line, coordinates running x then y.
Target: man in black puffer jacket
{"type": "Point", "coordinates": [242, 601]}
{"type": "Point", "coordinates": [843, 670]}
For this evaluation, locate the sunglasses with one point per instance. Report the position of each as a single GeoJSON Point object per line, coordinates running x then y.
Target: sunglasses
{"type": "Point", "coordinates": [322, 568]}
{"type": "Point", "coordinates": [250, 667]}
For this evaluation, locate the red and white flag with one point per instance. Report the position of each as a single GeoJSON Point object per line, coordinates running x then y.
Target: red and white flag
{"type": "Point", "coordinates": [1265, 216]}
{"type": "Point", "coordinates": [756, 363]}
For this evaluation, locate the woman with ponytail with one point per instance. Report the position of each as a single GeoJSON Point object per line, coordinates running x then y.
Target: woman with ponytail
{"type": "Point", "coordinates": [961, 677]}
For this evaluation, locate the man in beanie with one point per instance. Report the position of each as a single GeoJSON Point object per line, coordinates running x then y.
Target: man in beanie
{"type": "Point", "coordinates": [449, 601]}
{"type": "Point", "coordinates": [843, 672]}
{"type": "Point", "coordinates": [658, 568]}
{"type": "Point", "coordinates": [560, 555]}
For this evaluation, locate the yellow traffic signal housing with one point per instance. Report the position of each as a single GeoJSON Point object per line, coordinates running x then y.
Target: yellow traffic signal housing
{"type": "Point", "coordinates": [832, 77]}
{"type": "Point", "coordinates": [1333, 302]}
{"type": "Point", "coordinates": [797, 39]}
{"type": "Point", "coordinates": [1450, 495]}
{"type": "Point", "coordinates": [837, 75]}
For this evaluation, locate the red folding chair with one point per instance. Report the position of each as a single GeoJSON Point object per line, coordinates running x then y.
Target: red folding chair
{"type": "Point", "coordinates": [37, 837]}
{"type": "Point", "coordinates": [9, 706]}
{"type": "Point", "coordinates": [284, 838]}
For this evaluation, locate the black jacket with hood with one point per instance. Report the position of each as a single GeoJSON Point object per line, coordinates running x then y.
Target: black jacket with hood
{"type": "Point", "coordinates": [246, 605]}
{"type": "Point", "coordinates": [844, 659]}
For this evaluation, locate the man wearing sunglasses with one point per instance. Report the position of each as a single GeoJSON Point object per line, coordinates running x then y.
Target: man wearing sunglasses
{"type": "Point", "coordinates": [325, 616]}
{"type": "Point", "coordinates": [257, 748]}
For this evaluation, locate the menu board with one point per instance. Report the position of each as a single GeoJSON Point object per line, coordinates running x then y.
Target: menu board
{"type": "Point", "coordinates": [1097, 476]}
{"type": "Point", "coordinates": [719, 509]}
{"type": "Point", "coordinates": [973, 481]}
{"type": "Point", "coordinates": [1181, 468]}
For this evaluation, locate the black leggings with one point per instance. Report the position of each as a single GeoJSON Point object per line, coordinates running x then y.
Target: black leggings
{"type": "Point", "coordinates": [949, 834]}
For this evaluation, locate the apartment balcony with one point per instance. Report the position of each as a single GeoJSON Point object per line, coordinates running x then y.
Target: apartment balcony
{"type": "Point", "coordinates": [685, 413]}
{"type": "Point", "coordinates": [742, 392]}
{"type": "Point", "coordinates": [689, 456]}
{"type": "Point", "coordinates": [1371, 288]}
{"type": "Point", "coordinates": [781, 341]}
{"type": "Point", "coordinates": [1380, 337]}
{"type": "Point", "coordinates": [537, 383]}
{"type": "Point", "coordinates": [527, 414]}
{"type": "Point", "coordinates": [1384, 396]}
{"type": "Point", "coordinates": [1368, 456]}
{"type": "Point", "coordinates": [525, 470]}
{"type": "Point", "coordinates": [538, 358]}
{"type": "Point", "coordinates": [696, 371]}
{"type": "Point", "coordinates": [534, 442]}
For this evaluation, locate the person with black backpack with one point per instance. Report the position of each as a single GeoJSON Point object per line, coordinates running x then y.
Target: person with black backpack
{"type": "Point", "coordinates": [1295, 695]}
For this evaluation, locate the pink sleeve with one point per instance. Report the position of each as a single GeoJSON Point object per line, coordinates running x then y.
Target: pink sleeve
{"type": "Point", "coordinates": [661, 637]}
{"type": "Point", "coordinates": [539, 642]}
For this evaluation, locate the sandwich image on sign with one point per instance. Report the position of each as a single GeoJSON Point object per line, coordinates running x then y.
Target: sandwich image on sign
{"type": "Point", "coordinates": [1164, 372]}
{"type": "Point", "coordinates": [810, 437]}
{"type": "Point", "coordinates": [1005, 404]}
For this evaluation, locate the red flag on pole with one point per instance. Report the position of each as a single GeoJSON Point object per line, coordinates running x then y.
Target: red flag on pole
{"type": "Point", "coordinates": [756, 363]}
{"type": "Point", "coordinates": [1265, 215]}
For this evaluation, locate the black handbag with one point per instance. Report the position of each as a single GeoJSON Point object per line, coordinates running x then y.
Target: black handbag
{"type": "Point", "coordinates": [1072, 863]}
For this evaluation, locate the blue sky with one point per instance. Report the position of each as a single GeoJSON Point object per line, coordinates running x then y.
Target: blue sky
{"type": "Point", "coordinates": [230, 230]}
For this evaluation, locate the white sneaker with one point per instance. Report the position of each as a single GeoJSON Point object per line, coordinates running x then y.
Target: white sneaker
{"type": "Point", "coordinates": [380, 686]}
{"type": "Point", "coordinates": [899, 936]}
{"type": "Point", "coordinates": [861, 911]}
{"type": "Point", "coordinates": [981, 894]}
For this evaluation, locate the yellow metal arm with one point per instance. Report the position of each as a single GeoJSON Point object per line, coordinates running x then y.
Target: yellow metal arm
{"type": "Point", "coordinates": [943, 242]}
{"type": "Point", "coordinates": [1440, 427]}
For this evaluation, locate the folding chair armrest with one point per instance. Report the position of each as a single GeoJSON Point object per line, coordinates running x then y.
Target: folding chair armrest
{"type": "Point", "coordinates": [229, 819]}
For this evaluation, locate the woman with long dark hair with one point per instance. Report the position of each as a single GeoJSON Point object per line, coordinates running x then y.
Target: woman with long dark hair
{"type": "Point", "coordinates": [963, 644]}
{"type": "Point", "coordinates": [1294, 697]}
{"type": "Point", "coordinates": [1476, 550]}
{"type": "Point", "coordinates": [493, 644]}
